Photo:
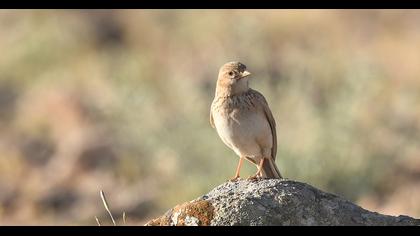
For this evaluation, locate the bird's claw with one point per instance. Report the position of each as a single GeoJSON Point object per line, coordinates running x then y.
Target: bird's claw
{"type": "Point", "coordinates": [234, 179]}
{"type": "Point", "coordinates": [254, 177]}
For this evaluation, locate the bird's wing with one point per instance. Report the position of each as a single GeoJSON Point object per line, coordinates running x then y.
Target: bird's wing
{"type": "Point", "coordinates": [270, 119]}
{"type": "Point", "coordinates": [211, 119]}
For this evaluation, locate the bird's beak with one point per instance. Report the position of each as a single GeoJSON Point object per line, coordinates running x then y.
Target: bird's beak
{"type": "Point", "coordinates": [245, 74]}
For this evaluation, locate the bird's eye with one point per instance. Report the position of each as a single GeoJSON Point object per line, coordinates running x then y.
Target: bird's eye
{"type": "Point", "coordinates": [230, 73]}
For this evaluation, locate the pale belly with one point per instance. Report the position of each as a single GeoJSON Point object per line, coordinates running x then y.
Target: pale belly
{"type": "Point", "coordinates": [246, 133]}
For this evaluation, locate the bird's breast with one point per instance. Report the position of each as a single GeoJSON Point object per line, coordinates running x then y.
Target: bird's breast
{"type": "Point", "coordinates": [239, 124]}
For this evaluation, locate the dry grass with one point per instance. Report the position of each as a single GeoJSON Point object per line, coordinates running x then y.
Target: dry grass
{"type": "Point", "coordinates": [107, 208]}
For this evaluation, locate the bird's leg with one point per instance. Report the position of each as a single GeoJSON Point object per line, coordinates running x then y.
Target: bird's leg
{"type": "Point", "coordinates": [258, 174]}
{"type": "Point", "coordinates": [238, 169]}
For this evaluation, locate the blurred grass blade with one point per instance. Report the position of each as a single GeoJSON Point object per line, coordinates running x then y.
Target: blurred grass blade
{"type": "Point", "coordinates": [97, 221]}
{"type": "Point", "coordinates": [107, 207]}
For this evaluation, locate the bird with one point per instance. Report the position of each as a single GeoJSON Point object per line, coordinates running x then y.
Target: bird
{"type": "Point", "coordinates": [244, 121]}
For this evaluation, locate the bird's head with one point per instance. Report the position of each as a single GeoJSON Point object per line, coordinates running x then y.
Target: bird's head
{"type": "Point", "coordinates": [233, 77]}
{"type": "Point", "coordinates": [233, 71]}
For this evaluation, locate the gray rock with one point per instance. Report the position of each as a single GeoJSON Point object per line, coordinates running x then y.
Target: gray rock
{"type": "Point", "coordinates": [273, 202]}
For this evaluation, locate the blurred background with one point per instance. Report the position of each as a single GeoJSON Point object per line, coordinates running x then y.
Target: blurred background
{"type": "Point", "coordinates": [119, 100]}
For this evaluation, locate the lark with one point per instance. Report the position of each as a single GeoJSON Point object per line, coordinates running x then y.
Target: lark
{"type": "Point", "coordinates": [244, 122]}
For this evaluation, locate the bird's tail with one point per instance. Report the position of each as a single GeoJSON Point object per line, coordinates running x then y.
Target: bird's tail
{"type": "Point", "coordinates": [269, 170]}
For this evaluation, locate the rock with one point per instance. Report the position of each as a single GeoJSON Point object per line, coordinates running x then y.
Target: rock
{"type": "Point", "coordinates": [273, 202]}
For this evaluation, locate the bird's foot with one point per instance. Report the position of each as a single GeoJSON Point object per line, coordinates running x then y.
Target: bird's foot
{"type": "Point", "coordinates": [254, 177]}
{"type": "Point", "coordinates": [235, 178]}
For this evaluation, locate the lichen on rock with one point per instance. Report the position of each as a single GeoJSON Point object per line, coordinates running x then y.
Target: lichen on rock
{"type": "Point", "coordinates": [194, 213]}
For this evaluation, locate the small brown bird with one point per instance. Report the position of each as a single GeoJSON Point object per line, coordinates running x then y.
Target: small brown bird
{"type": "Point", "coordinates": [244, 121]}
